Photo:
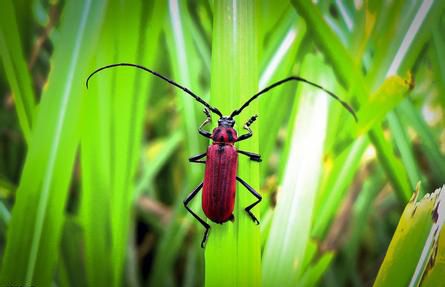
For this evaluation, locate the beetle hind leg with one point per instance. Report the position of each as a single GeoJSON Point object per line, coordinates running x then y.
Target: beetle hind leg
{"type": "Point", "coordinates": [203, 223]}
{"type": "Point", "coordinates": [256, 194]}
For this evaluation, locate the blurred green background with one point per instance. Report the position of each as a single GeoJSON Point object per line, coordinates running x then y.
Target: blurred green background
{"type": "Point", "coordinates": [92, 181]}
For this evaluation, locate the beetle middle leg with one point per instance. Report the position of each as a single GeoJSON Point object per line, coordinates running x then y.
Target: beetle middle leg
{"type": "Point", "coordinates": [186, 202]}
{"type": "Point", "coordinates": [197, 158]}
{"type": "Point", "coordinates": [251, 155]}
{"type": "Point", "coordinates": [256, 194]}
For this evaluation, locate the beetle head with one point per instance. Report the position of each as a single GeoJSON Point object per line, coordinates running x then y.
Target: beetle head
{"type": "Point", "coordinates": [226, 121]}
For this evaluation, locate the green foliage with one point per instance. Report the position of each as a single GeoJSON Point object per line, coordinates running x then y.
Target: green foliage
{"type": "Point", "coordinates": [14, 64]}
{"type": "Point", "coordinates": [96, 199]}
{"type": "Point", "coordinates": [113, 117]}
{"type": "Point", "coordinates": [232, 254]}
{"type": "Point", "coordinates": [286, 245]}
{"type": "Point", "coordinates": [419, 232]}
{"type": "Point", "coordinates": [37, 220]}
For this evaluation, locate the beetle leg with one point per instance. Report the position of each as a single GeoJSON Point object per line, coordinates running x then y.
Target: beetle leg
{"type": "Point", "coordinates": [186, 202]}
{"type": "Point", "coordinates": [197, 158]}
{"type": "Point", "coordinates": [256, 194]}
{"type": "Point", "coordinates": [251, 155]}
{"type": "Point", "coordinates": [247, 127]}
{"type": "Point", "coordinates": [203, 132]}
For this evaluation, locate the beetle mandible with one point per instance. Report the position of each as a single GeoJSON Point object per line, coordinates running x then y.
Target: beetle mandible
{"type": "Point", "coordinates": [219, 184]}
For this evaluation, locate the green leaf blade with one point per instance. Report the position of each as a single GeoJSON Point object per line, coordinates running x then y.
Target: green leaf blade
{"type": "Point", "coordinates": [233, 250]}
{"type": "Point", "coordinates": [38, 215]}
{"type": "Point", "coordinates": [13, 60]}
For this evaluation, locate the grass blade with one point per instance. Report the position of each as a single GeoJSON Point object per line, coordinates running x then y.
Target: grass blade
{"type": "Point", "coordinates": [280, 59]}
{"type": "Point", "coordinates": [389, 95]}
{"type": "Point", "coordinates": [184, 61]}
{"type": "Point", "coordinates": [232, 253]}
{"type": "Point", "coordinates": [157, 155]}
{"type": "Point", "coordinates": [405, 147]}
{"type": "Point", "coordinates": [335, 186]}
{"type": "Point", "coordinates": [393, 166]}
{"type": "Point", "coordinates": [71, 262]}
{"type": "Point", "coordinates": [406, 51]}
{"type": "Point", "coordinates": [96, 166]}
{"type": "Point", "coordinates": [112, 137]}
{"type": "Point", "coordinates": [418, 231]}
{"type": "Point", "coordinates": [331, 45]}
{"type": "Point", "coordinates": [362, 211]}
{"type": "Point", "coordinates": [429, 145]}
{"type": "Point", "coordinates": [438, 59]}
{"type": "Point", "coordinates": [13, 60]}
{"type": "Point", "coordinates": [405, 38]}
{"type": "Point", "coordinates": [315, 271]}
{"type": "Point", "coordinates": [285, 249]}
{"type": "Point", "coordinates": [433, 275]}
{"type": "Point", "coordinates": [38, 215]}
{"type": "Point", "coordinates": [124, 124]}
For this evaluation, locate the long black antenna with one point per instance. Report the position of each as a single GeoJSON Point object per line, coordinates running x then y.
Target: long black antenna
{"type": "Point", "coordinates": [207, 105]}
{"type": "Point", "coordinates": [294, 78]}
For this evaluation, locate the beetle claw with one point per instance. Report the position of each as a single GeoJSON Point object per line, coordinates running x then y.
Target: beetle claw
{"type": "Point", "coordinates": [203, 242]}
{"type": "Point", "coordinates": [204, 239]}
{"type": "Point", "coordinates": [254, 219]}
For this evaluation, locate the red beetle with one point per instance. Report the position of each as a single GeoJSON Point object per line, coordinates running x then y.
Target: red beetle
{"type": "Point", "coordinates": [220, 178]}
{"type": "Point", "coordinates": [219, 185]}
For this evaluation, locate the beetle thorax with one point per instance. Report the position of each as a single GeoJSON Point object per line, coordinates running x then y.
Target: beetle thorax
{"type": "Point", "coordinates": [224, 134]}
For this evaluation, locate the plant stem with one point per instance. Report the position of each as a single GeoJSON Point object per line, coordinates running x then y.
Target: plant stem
{"type": "Point", "coordinates": [233, 249]}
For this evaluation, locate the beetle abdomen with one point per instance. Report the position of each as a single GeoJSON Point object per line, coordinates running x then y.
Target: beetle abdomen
{"type": "Point", "coordinates": [219, 188]}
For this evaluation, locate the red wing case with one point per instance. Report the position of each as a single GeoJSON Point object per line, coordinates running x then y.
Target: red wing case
{"type": "Point", "coordinates": [219, 189]}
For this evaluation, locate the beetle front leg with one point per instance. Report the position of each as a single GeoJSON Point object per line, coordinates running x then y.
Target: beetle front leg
{"type": "Point", "coordinates": [197, 158]}
{"type": "Point", "coordinates": [203, 132]}
{"type": "Point", "coordinates": [247, 127]}
{"type": "Point", "coordinates": [256, 194]}
{"type": "Point", "coordinates": [251, 155]}
{"type": "Point", "coordinates": [186, 202]}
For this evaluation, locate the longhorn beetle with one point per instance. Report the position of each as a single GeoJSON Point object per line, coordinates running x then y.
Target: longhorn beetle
{"type": "Point", "coordinates": [219, 185]}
